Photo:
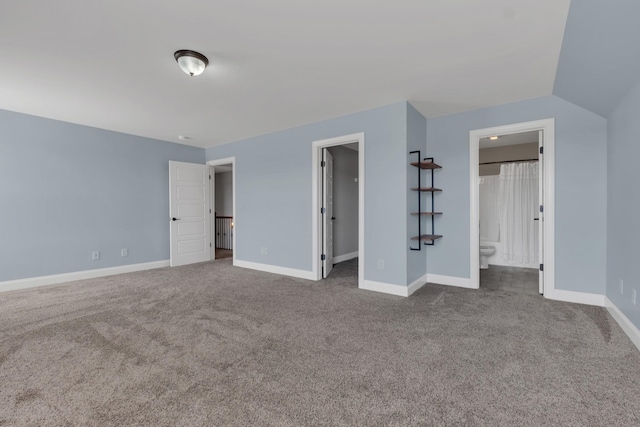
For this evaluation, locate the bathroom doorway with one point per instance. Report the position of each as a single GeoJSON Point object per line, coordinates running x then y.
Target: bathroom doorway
{"type": "Point", "coordinates": [511, 171]}
{"type": "Point", "coordinates": [509, 212]}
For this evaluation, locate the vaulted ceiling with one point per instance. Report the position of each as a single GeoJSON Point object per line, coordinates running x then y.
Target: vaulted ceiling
{"type": "Point", "coordinates": [284, 63]}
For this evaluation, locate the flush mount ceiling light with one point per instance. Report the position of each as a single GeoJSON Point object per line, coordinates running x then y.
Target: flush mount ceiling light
{"type": "Point", "coordinates": [192, 63]}
{"type": "Point", "coordinates": [493, 138]}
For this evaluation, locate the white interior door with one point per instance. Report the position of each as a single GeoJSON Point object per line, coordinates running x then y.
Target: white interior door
{"type": "Point", "coordinates": [189, 213]}
{"type": "Point", "coordinates": [541, 211]}
{"type": "Point", "coordinates": [327, 212]}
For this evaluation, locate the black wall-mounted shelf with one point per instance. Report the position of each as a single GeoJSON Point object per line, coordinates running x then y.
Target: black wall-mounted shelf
{"type": "Point", "coordinates": [426, 164]}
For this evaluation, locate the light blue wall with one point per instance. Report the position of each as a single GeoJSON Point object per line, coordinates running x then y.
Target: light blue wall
{"type": "Point", "coordinates": [274, 201]}
{"type": "Point", "coordinates": [580, 185]}
{"type": "Point", "coordinates": [68, 190]}
{"type": "Point", "coordinates": [416, 140]}
{"type": "Point", "coordinates": [623, 201]}
{"type": "Point", "coordinates": [600, 56]}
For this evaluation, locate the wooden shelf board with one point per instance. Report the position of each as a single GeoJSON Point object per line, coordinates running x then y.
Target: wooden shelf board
{"type": "Point", "coordinates": [426, 213]}
{"type": "Point", "coordinates": [426, 165]}
{"type": "Point", "coordinates": [427, 189]}
{"type": "Point", "coordinates": [427, 237]}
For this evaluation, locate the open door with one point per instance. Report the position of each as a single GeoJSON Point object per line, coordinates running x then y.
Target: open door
{"type": "Point", "coordinates": [189, 213]}
{"type": "Point", "coordinates": [541, 212]}
{"type": "Point", "coordinates": [327, 213]}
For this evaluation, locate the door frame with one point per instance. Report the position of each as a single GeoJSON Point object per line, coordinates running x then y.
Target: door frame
{"type": "Point", "coordinates": [212, 203]}
{"type": "Point", "coordinates": [548, 183]}
{"type": "Point", "coordinates": [316, 202]}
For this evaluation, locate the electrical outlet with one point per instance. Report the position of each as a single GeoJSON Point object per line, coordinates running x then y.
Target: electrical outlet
{"type": "Point", "coordinates": [380, 264]}
{"type": "Point", "coordinates": [263, 251]}
{"type": "Point", "coordinates": [124, 252]}
{"type": "Point", "coordinates": [633, 296]}
{"type": "Point", "coordinates": [621, 286]}
{"type": "Point", "coordinates": [95, 255]}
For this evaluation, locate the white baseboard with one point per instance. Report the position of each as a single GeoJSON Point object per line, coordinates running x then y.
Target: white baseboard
{"type": "Point", "coordinates": [629, 328]}
{"type": "Point", "coordinates": [285, 271]}
{"type": "Point", "coordinates": [417, 284]}
{"type": "Point", "coordinates": [32, 282]}
{"type": "Point", "coordinates": [345, 257]}
{"type": "Point", "coordinates": [385, 288]}
{"type": "Point", "coordinates": [403, 291]}
{"type": "Point", "coordinates": [577, 297]}
{"type": "Point", "coordinates": [460, 282]}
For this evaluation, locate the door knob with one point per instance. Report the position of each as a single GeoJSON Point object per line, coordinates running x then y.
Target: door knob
{"type": "Point", "coordinates": [332, 218]}
{"type": "Point", "coordinates": [175, 219]}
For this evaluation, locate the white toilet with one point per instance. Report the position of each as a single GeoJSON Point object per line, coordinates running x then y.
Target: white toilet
{"type": "Point", "coordinates": [486, 252]}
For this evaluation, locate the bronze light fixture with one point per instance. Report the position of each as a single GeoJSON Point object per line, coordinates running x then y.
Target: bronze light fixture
{"type": "Point", "coordinates": [191, 62]}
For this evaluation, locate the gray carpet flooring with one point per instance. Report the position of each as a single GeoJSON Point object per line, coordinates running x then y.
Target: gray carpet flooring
{"type": "Point", "coordinates": [214, 345]}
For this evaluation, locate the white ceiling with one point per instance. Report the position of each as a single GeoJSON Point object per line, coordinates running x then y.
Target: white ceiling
{"type": "Point", "coordinates": [273, 64]}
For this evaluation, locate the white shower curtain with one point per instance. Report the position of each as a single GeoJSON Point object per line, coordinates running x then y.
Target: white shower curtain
{"type": "Point", "coordinates": [518, 201]}
{"type": "Point", "coordinates": [489, 221]}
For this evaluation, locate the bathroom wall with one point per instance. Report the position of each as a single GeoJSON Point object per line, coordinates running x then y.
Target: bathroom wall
{"type": "Point", "coordinates": [505, 153]}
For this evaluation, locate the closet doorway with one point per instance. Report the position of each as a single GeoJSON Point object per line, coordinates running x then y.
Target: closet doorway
{"type": "Point", "coordinates": [511, 195]}
{"type": "Point", "coordinates": [340, 204]}
{"type": "Point", "coordinates": [324, 219]}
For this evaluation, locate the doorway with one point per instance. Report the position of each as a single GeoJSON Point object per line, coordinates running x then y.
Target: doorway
{"type": "Point", "coordinates": [323, 201]}
{"type": "Point", "coordinates": [223, 208]}
{"type": "Point", "coordinates": [340, 200]}
{"type": "Point", "coordinates": [509, 194]}
{"type": "Point", "coordinates": [517, 243]}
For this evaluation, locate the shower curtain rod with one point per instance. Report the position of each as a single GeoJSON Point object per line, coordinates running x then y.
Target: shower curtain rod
{"type": "Point", "coordinates": [509, 161]}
